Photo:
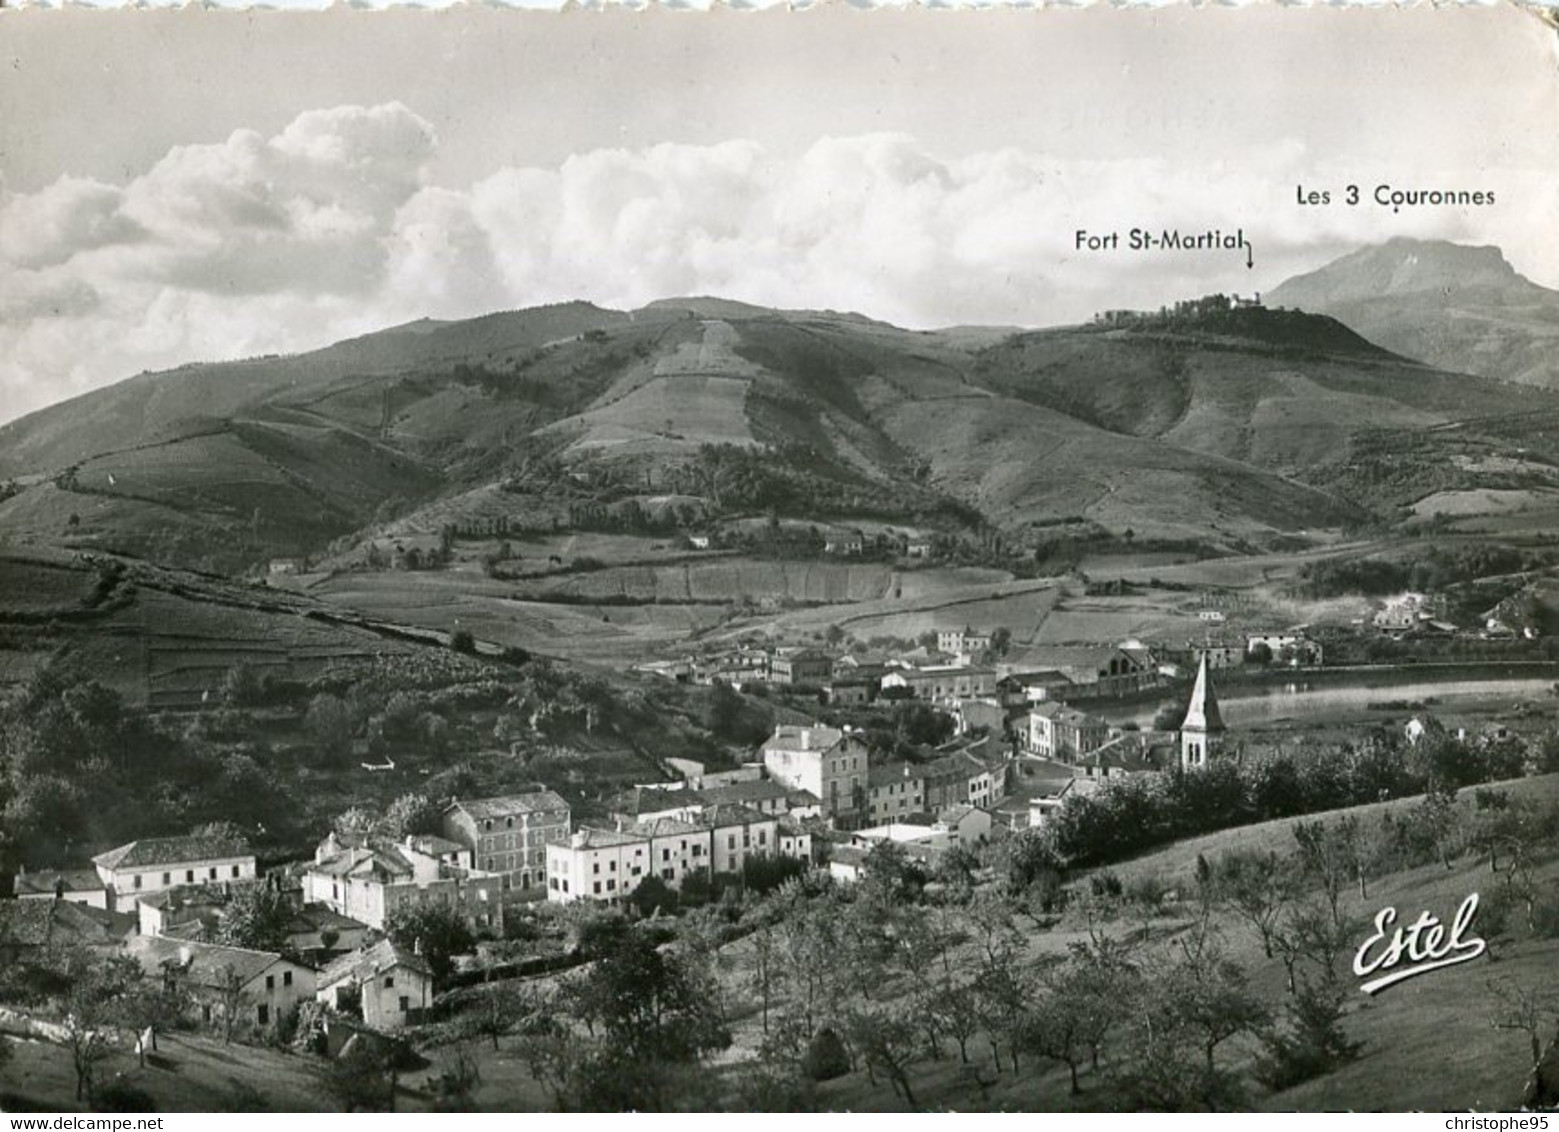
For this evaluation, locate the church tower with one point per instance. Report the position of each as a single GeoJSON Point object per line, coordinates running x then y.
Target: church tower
{"type": "Point", "coordinates": [1201, 735]}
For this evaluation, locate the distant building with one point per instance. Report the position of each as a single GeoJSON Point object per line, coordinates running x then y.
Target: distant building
{"type": "Point", "coordinates": [369, 882]}
{"type": "Point", "coordinates": [1218, 652]}
{"type": "Point", "coordinates": [1059, 732]}
{"type": "Point", "coordinates": [943, 681]}
{"type": "Point", "coordinates": [388, 986]}
{"type": "Point", "coordinates": [1202, 732]}
{"type": "Point", "coordinates": [809, 667]}
{"type": "Point", "coordinates": [894, 791]}
{"type": "Point", "coordinates": [824, 761]}
{"type": "Point", "coordinates": [962, 641]}
{"type": "Point", "coordinates": [155, 863]}
{"type": "Point", "coordinates": [76, 886]}
{"type": "Point", "coordinates": [257, 988]}
{"type": "Point", "coordinates": [508, 835]}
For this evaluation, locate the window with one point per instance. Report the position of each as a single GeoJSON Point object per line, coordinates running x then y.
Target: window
{"type": "Point", "coordinates": [235, 870]}
{"type": "Point", "coordinates": [637, 870]}
{"type": "Point", "coordinates": [167, 878]}
{"type": "Point", "coordinates": [525, 880]}
{"type": "Point", "coordinates": [730, 841]}
{"type": "Point", "coordinates": [554, 884]}
{"type": "Point", "coordinates": [213, 872]}
{"type": "Point", "coordinates": [597, 888]}
{"type": "Point", "coordinates": [763, 837]}
{"type": "Point", "coordinates": [262, 1013]}
{"type": "Point", "coordinates": [286, 978]}
{"type": "Point", "coordinates": [611, 886]}
{"type": "Point", "coordinates": [611, 866]}
{"type": "Point", "coordinates": [270, 982]}
{"type": "Point", "coordinates": [189, 876]}
{"type": "Point", "coordinates": [668, 874]}
{"type": "Point", "coordinates": [595, 866]}
{"type": "Point", "coordinates": [405, 1004]}
{"type": "Point", "coordinates": [665, 854]}
{"type": "Point", "coordinates": [508, 823]}
{"type": "Point", "coordinates": [488, 824]}
{"type": "Point", "coordinates": [137, 881]}
{"type": "Point", "coordinates": [389, 982]}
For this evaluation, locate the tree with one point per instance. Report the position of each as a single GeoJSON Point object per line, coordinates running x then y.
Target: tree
{"type": "Point", "coordinates": [1256, 887]}
{"type": "Point", "coordinates": [502, 1008]}
{"type": "Point", "coordinates": [1326, 856]}
{"type": "Point", "coordinates": [412, 814]}
{"type": "Point", "coordinates": [330, 721]}
{"type": "Point", "coordinates": [1533, 1011]}
{"type": "Point", "coordinates": [90, 1007]}
{"type": "Point", "coordinates": [259, 917]}
{"type": "Point", "coordinates": [366, 1076]}
{"type": "Point", "coordinates": [889, 1042]}
{"type": "Point", "coordinates": [149, 1006]}
{"type": "Point", "coordinates": [461, 640]}
{"type": "Point", "coordinates": [1210, 996]}
{"type": "Point", "coordinates": [1313, 1041]}
{"type": "Point", "coordinates": [437, 931]}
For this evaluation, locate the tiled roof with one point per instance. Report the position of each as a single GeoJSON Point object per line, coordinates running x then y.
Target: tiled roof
{"type": "Point", "coordinates": [435, 846]}
{"type": "Point", "coordinates": [730, 813]}
{"type": "Point", "coordinates": [209, 963]}
{"type": "Point", "coordinates": [793, 737]}
{"type": "Point", "coordinates": [47, 923]}
{"type": "Point", "coordinates": [152, 851]}
{"type": "Point", "coordinates": [370, 962]}
{"type": "Point", "coordinates": [888, 773]}
{"type": "Point", "coordinates": [763, 790]}
{"type": "Point", "coordinates": [591, 837]}
{"type": "Point", "coordinates": [510, 805]}
{"type": "Point", "coordinates": [67, 880]}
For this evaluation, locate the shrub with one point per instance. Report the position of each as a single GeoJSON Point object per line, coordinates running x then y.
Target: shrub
{"type": "Point", "coordinates": [120, 1095]}
{"type": "Point", "coordinates": [826, 1057]}
{"type": "Point", "coordinates": [1312, 1044]}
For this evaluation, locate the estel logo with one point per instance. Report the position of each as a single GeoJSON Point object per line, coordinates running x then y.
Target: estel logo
{"type": "Point", "coordinates": [1424, 943]}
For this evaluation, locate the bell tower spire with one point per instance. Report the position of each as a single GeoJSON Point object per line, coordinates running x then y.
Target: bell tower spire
{"type": "Point", "coordinates": [1201, 734]}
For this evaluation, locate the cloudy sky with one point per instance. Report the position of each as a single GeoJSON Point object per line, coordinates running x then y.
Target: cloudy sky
{"type": "Point", "coordinates": [194, 185]}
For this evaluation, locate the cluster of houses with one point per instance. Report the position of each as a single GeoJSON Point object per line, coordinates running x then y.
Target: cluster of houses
{"type": "Point", "coordinates": [812, 793]}
{"type": "Point", "coordinates": [162, 901]}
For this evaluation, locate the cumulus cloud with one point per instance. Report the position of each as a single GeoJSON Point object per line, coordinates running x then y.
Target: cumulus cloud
{"type": "Point", "coordinates": [329, 228]}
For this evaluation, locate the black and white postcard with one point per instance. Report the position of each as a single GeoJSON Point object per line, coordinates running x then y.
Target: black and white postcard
{"type": "Point", "coordinates": [779, 560]}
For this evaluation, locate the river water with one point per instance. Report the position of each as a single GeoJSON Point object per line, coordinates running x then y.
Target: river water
{"type": "Point", "coordinates": [1311, 698]}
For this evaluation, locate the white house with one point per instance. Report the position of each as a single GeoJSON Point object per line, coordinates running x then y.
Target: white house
{"type": "Point", "coordinates": [155, 863]}
{"type": "Point", "coordinates": [388, 985]}
{"type": "Point", "coordinates": [74, 886]}
{"type": "Point", "coordinates": [259, 987]}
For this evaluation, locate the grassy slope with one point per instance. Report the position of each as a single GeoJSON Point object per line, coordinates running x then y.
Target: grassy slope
{"type": "Point", "coordinates": [1428, 1042]}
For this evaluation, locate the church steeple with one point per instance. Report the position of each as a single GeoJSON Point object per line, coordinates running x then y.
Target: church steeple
{"type": "Point", "coordinates": [1201, 734]}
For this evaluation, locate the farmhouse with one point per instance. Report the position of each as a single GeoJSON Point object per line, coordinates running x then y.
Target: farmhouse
{"type": "Point", "coordinates": [385, 985]}
{"type": "Point", "coordinates": [508, 836]}
{"type": "Point", "coordinates": [34, 928]}
{"type": "Point", "coordinates": [847, 690]}
{"type": "Point", "coordinates": [227, 984]}
{"type": "Point", "coordinates": [155, 863]}
{"type": "Point", "coordinates": [824, 761]}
